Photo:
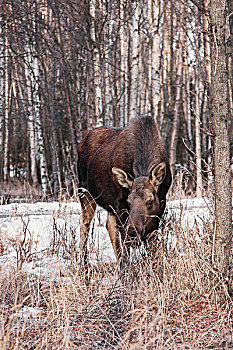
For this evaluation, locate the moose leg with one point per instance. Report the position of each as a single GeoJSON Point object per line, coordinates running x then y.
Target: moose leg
{"type": "Point", "coordinates": [120, 249]}
{"type": "Point", "coordinates": [88, 207]}
{"type": "Point", "coordinates": [114, 235]}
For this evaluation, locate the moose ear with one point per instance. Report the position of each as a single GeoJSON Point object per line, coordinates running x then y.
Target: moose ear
{"type": "Point", "coordinates": [122, 178]}
{"type": "Point", "coordinates": [157, 174]}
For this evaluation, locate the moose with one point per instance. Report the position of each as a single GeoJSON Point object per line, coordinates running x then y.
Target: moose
{"type": "Point", "coordinates": [125, 171]}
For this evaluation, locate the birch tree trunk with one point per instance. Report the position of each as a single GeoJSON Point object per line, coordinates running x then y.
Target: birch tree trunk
{"type": "Point", "coordinates": [175, 123]}
{"type": "Point", "coordinates": [31, 126]}
{"type": "Point", "coordinates": [108, 96]}
{"type": "Point", "coordinates": [198, 139]}
{"type": "Point", "coordinates": [98, 102]}
{"type": "Point", "coordinates": [187, 105]}
{"type": "Point", "coordinates": [55, 161]}
{"type": "Point", "coordinates": [2, 86]}
{"type": "Point", "coordinates": [6, 139]}
{"type": "Point", "coordinates": [35, 128]}
{"type": "Point", "coordinates": [124, 67]}
{"type": "Point", "coordinates": [133, 103]}
{"type": "Point", "coordinates": [2, 80]}
{"type": "Point", "coordinates": [167, 58]}
{"type": "Point", "coordinates": [153, 9]}
{"type": "Point", "coordinates": [41, 147]}
{"type": "Point", "coordinates": [222, 241]}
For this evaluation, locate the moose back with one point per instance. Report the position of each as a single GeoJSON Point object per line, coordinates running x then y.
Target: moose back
{"type": "Point", "coordinates": [125, 171]}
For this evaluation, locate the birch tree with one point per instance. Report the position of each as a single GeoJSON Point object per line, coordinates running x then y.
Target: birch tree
{"type": "Point", "coordinates": [7, 110]}
{"type": "Point", "coordinates": [198, 139]}
{"type": "Point", "coordinates": [2, 76]}
{"type": "Point", "coordinates": [31, 124]}
{"type": "Point", "coordinates": [175, 123]}
{"type": "Point", "coordinates": [153, 11]}
{"type": "Point", "coordinates": [124, 65]}
{"type": "Point", "coordinates": [98, 102]}
{"type": "Point", "coordinates": [135, 45]}
{"type": "Point", "coordinates": [35, 127]}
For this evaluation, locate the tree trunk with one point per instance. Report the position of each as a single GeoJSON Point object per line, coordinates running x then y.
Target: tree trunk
{"type": "Point", "coordinates": [175, 123]}
{"type": "Point", "coordinates": [207, 96]}
{"type": "Point", "coordinates": [222, 242]}
{"type": "Point", "coordinates": [33, 76]}
{"type": "Point", "coordinates": [2, 80]}
{"type": "Point", "coordinates": [55, 161]}
{"type": "Point", "coordinates": [124, 67]}
{"type": "Point", "coordinates": [108, 77]}
{"type": "Point", "coordinates": [198, 140]}
{"type": "Point", "coordinates": [153, 9]}
{"type": "Point", "coordinates": [31, 125]}
{"type": "Point", "coordinates": [2, 86]}
{"type": "Point", "coordinates": [135, 64]}
{"type": "Point", "coordinates": [41, 147]}
{"type": "Point", "coordinates": [6, 140]}
{"type": "Point", "coordinates": [97, 67]}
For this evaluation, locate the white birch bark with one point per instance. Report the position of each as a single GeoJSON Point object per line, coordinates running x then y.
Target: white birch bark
{"type": "Point", "coordinates": [37, 110]}
{"type": "Point", "coordinates": [31, 128]}
{"type": "Point", "coordinates": [167, 56]}
{"type": "Point", "coordinates": [153, 9]}
{"type": "Point", "coordinates": [135, 63]}
{"type": "Point", "coordinates": [6, 140]}
{"type": "Point", "coordinates": [186, 89]}
{"type": "Point", "coordinates": [55, 160]}
{"type": "Point", "coordinates": [35, 128]}
{"type": "Point", "coordinates": [174, 136]}
{"type": "Point", "coordinates": [198, 139]}
{"type": "Point", "coordinates": [188, 104]}
{"type": "Point", "coordinates": [108, 76]}
{"type": "Point", "coordinates": [123, 66]}
{"type": "Point", "coordinates": [98, 108]}
{"type": "Point", "coordinates": [2, 82]}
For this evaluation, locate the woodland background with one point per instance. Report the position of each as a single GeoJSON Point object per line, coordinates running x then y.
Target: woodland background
{"type": "Point", "coordinates": [69, 66]}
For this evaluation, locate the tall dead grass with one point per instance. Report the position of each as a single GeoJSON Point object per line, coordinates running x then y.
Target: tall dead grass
{"type": "Point", "coordinates": [171, 299]}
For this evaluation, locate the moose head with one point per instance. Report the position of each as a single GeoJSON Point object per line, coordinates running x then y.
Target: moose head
{"type": "Point", "coordinates": [143, 201]}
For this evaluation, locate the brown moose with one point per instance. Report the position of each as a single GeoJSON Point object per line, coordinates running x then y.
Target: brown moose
{"type": "Point", "coordinates": [125, 171]}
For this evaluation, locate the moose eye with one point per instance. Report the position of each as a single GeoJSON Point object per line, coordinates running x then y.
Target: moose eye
{"type": "Point", "coordinates": [149, 204]}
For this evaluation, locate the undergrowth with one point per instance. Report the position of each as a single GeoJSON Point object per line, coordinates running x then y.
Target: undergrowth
{"type": "Point", "coordinates": [171, 299]}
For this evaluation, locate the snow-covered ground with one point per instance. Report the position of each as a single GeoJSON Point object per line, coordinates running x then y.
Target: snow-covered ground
{"type": "Point", "coordinates": [42, 238]}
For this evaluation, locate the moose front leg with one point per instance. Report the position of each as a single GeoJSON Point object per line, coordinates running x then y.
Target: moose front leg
{"type": "Point", "coordinates": [120, 248]}
{"type": "Point", "coordinates": [88, 207]}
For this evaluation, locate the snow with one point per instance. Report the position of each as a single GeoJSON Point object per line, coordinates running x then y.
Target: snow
{"type": "Point", "coordinates": [43, 238]}
{"type": "Point", "coordinates": [28, 313]}
{"type": "Point", "coordinates": [191, 212]}
{"type": "Point", "coordinates": [37, 236]}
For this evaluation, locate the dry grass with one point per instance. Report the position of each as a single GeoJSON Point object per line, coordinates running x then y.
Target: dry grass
{"type": "Point", "coordinates": [171, 301]}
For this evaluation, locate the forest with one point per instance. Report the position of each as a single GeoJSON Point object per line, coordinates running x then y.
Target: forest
{"type": "Point", "coordinates": [66, 67]}
{"type": "Point", "coordinates": [69, 66]}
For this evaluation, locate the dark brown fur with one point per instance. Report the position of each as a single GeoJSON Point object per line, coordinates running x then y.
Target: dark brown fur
{"type": "Point", "coordinates": [135, 198]}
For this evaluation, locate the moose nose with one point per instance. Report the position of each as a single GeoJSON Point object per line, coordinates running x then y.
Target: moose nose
{"type": "Point", "coordinates": [136, 224]}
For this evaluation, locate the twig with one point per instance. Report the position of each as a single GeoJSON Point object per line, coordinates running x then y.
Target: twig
{"type": "Point", "coordinates": [200, 7]}
{"type": "Point", "coordinates": [215, 41]}
{"type": "Point", "coordinates": [208, 133]}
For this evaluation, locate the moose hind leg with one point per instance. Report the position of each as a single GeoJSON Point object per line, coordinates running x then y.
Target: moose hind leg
{"type": "Point", "coordinates": [88, 207]}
